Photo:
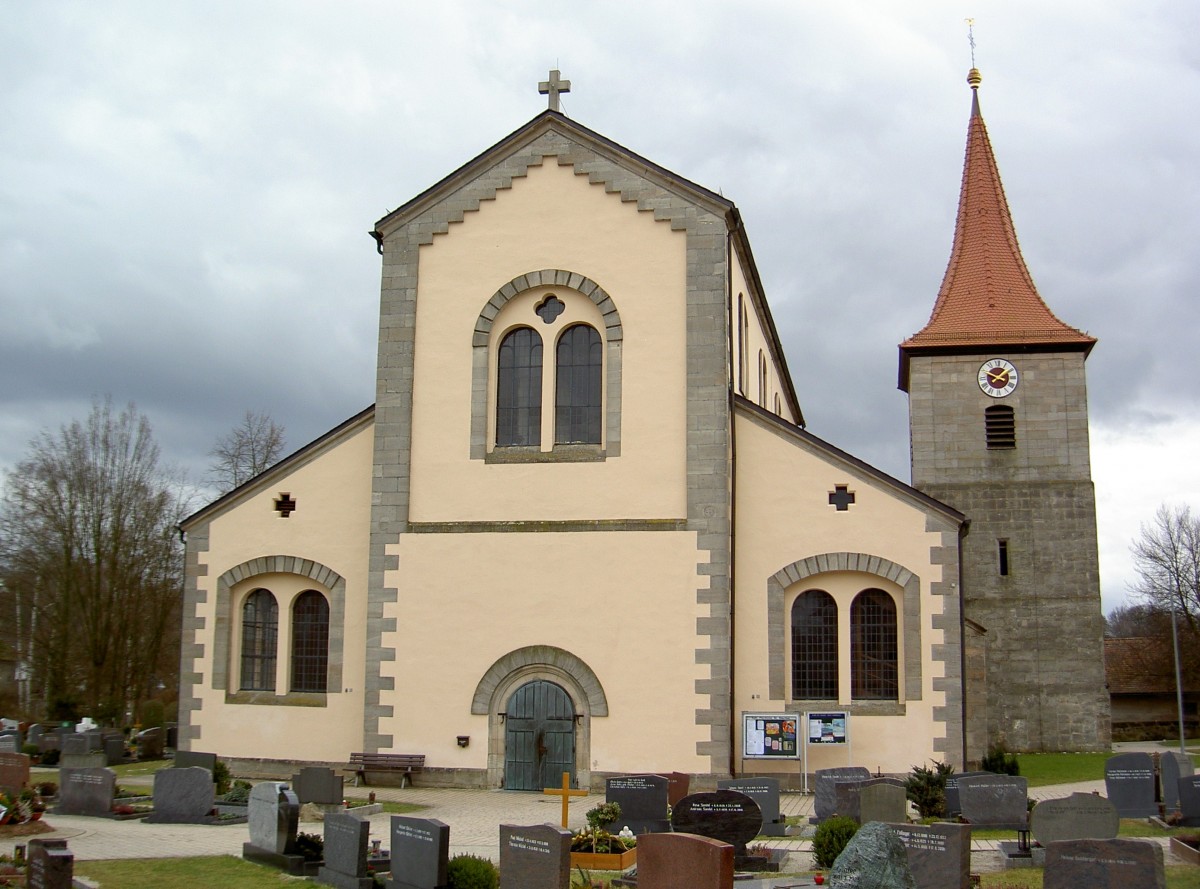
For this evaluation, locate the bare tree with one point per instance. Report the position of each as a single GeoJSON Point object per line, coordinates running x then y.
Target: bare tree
{"type": "Point", "coordinates": [1167, 557]}
{"type": "Point", "coordinates": [251, 447]}
{"type": "Point", "coordinates": [92, 563]}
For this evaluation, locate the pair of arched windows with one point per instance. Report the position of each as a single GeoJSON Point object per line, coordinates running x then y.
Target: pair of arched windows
{"type": "Point", "coordinates": [310, 641]}
{"type": "Point", "coordinates": [578, 389]}
{"type": "Point", "coordinates": [874, 647]}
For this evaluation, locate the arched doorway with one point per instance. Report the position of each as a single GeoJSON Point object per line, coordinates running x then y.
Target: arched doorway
{"type": "Point", "coordinates": [539, 730]}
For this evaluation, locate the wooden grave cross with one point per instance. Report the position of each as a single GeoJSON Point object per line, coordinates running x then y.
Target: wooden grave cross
{"type": "Point", "coordinates": [566, 793]}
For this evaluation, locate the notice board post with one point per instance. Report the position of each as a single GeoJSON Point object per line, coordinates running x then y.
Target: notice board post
{"type": "Point", "coordinates": [826, 727]}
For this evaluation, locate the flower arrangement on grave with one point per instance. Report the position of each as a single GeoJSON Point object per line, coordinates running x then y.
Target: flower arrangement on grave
{"type": "Point", "coordinates": [596, 838]}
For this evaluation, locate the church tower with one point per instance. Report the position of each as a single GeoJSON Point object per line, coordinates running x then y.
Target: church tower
{"type": "Point", "coordinates": [998, 428]}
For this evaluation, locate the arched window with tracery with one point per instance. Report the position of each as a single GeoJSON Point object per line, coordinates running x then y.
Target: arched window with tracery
{"type": "Point", "coordinates": [519, 389]}
{"type": "Point", "coordinates": [310, 642]}
{"type": "Point", "coordinates": [874, 651]}
{"type": "Point", "coordinates": [814, 647]}
{"type": "Point", "coordinates": [260, 631]}
{"type": "Point", "coordinates": [579, 362]}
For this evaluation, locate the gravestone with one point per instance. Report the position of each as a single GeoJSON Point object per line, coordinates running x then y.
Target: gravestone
{"type": "Point", "coordinates": [172, 734]}
{"type": "Point", "coordinates": [765, 792]}
{"type": "Point", "coordinates": [49, 741]}
{"type": "Point", "coordinates": [420, 850]}
{"type": "Point", "coordinates": [824, 789]}
{"type": "Point", "coordinates": [535, 857]}
{"type": "Point", "coordinates": [75, 745]}
{"type": "Point", "coordinates": [1000, 801]}
{"type": "Point", "coordinates": [114, 751]}
{"type": "Point", "coordinates": [1130, 783]}
{"type": "Point", "coordinates": [677, 785]}
{"type": "Point", "coordinates": [14, 773]}
{"type": "Point", "coordinates": [93, 760]}
{"type": "Point", "coordinates": [847, 800]}
{"type": "Point", "coordinates": [317, 784]}
{"type": "Point", "coordinates": [94, 739]}
{"type": "Point", "coordinates": [874, 857]}
{"type": "Point", "coordinates": [683, 861]}
{"type": "Point", "coordinates": [1173, 766]}
{"type": "Point", "coordinates": [939, 855]}
{"type": "Point", "coordinates": [724, 815]}
{"type": "Point", "coordinates": [1104, 864]}
{"type": "Point", "coordinates": [150, 743]}
{"type": "Point", "coordinates": [643, 802]}
{"type": "Point", "coordinates": [1189, 800]}
{"type": "Point", "coordinates": [953, 807]}
{"type": "Point", "coordinates": [187, 759]}
{"type": "Point", "coordinates": [10, 742]}
{"type": "Point", "coordinates": [1080, 816]}
{"type": "Point", "coordinates": [49, 865]}
{"type": "Point", "coordinates": [882, 801]}
{"type": "Point", "coordinates": [273, 815]}
{"type": "Point", "coordinates": [86, 791]}
{"type": "Point", "coordinates": [182, 796]}
{"type": "Point", "coordinates": [346, 839]}
{"type": "Point", "coordinates": [34, 735]}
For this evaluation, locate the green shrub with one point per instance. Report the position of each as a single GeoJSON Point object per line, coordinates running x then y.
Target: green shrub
{"type": "Point", "coordinates": [926, 788]}
{"type": "Point", "coordinates": [831, 838]}
{"type": "Point", "coordinates": [471, 872]}
{"type": "Point", "coordinates": [30, 749]}
{"type": "Point", "coordinates": [221, 777]}
{"type": "Point", "coordinates": [311, 846]}
{"type": "Point", "coordinates": [50, 758]}
{"type": "Point", "coordinates": [1000, 761]}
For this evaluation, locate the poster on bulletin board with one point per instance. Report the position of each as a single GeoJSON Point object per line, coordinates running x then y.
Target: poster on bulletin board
{"type": "Point", "coordinates": [827, 728]}
{"type": "Point", "coordinates": [771, 735]}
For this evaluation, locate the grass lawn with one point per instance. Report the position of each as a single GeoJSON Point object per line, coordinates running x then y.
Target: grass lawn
{"type": "Point", "coordinates": [225, 871]}
{"type": "Point", "coordinates": [1065, 768]}
{"type": "Point", "coordinates": [1031, 878]}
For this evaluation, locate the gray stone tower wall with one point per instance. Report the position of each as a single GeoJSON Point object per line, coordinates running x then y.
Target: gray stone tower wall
{"type": "Point", "coordinates": [1044, 684]}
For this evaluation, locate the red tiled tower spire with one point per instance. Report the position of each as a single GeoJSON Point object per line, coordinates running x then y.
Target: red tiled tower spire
{"type": "Point", "coordinates": [987, 299]}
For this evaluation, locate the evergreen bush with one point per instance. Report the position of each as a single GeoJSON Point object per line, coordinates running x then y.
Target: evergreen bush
{"type": "Point", "coordinates": [926, 788]}
{"type": "Point", "coordinates": [1000, 761]}
{"type": "Point", "coordinates": [831, 838]}
{"type": "Point", "coordinates": [471, 872]}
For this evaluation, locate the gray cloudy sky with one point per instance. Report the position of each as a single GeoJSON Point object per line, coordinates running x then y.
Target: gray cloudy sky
{"type": "Point", "coordinates": [186, 187]}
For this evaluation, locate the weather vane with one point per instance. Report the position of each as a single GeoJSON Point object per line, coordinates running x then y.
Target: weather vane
{"type": "Point", "coordinates": [971, 38]}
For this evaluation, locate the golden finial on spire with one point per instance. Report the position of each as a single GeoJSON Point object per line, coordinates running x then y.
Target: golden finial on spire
{"type": "Point", "coordinates": [973, 76]}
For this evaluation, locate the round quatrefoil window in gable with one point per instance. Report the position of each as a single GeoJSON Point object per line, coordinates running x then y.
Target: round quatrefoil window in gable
{"type": "Point", "coordinates": [550, 308]}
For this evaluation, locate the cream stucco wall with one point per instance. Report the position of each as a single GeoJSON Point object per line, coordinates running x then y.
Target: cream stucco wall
{"type": "Point", "coordinates": [749, 345]}
{"type": "Point", "coordinates": [331, 526]}
{"type": "Point", "coordinates": [641, 264]}
{"type": "Point", "coordinates": [622, 602]}
{"type": "Point", "coordinates": [783, 515]}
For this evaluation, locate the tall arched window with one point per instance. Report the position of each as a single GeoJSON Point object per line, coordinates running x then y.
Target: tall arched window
{"type": "Point", "coordinates": [519, 389]}
{"type": "Point", "coordinates": [579, 360]}
{"type": "Point", "coordinates": [814, 647]}
{"type": "Point", "coordinates": [310, 642]}
{"type": "Point", "coordinates": [260, 630]}
{"type": "Point", "coordinates": [874, 653]}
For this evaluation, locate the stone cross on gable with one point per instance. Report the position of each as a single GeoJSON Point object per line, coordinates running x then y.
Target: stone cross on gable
{"type": "Point", "coordinates": [553, 87]}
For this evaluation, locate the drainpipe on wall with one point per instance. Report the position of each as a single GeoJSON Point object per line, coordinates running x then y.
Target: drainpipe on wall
{"type": "Point", "coordinates": [733, 720]}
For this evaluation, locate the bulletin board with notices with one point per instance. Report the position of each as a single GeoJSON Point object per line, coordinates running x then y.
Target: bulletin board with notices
{"type": "Point", "coordinates": [771, 735]}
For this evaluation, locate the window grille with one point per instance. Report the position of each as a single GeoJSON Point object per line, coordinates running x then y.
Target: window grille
{"type": "Point", "coordinates": [874, 651]}
{"type": "Point", "coordinates": [579, 360]}
{"type": "Point", "coordinates": [260, 630]}
{"type": "Point", "coordinates": [814, 647]}
{"type": "Point", "coordinates": [310, 642]}
{"type": "Point", "coordinates": [519, 389]}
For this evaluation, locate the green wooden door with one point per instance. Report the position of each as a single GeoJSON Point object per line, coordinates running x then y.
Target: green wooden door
{"type": "Point", "coordinates": [539, 737]}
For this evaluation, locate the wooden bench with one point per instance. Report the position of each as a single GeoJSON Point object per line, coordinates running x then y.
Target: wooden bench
{"type": "Point", "coordinates": [407, 763]}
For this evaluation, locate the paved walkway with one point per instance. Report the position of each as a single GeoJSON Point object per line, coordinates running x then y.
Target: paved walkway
{"type": "Point", "coordinates": [474, 817]}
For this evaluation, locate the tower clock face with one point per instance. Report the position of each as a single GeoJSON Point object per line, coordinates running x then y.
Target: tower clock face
{"type": "Point", "coordinates": [997, 378]}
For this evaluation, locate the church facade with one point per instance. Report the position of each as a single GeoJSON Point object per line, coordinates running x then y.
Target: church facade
{"type": "Point", "coordinates": [583, 527]}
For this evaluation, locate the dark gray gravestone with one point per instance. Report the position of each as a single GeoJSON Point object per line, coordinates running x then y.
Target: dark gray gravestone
{"type": "Point", "coordinates": [35, 734]}
{"type": "Point", "coordinates": [1189, 800]}
{"type": "Point", "coordinates": [535, 857]}
{"type": "Point", "coordinates": [273, 815]}
{"type": "Point", "coordinates": [74, 745]}
{"type": "Point", "coordinates": [1080, 816]}
{"type": "Point", "coordinates": [94, 739]}
{"type": "Point", "coordinates": [317, 784]}
{"type": "Point", "coordinates": [114, 751]}
{"type": "Point", "coordinates": [677, 785]}
{"type": "Point", "coordinates": [49, 865]}
{"type": "Point", "coordinates": [14, 773]}
{"type": "Point", "coordinates": [10, 742]}
{"type": "Point", "coordinates": [1000, 801]}
{"type": "Point", "coordinates": [824, 791]}
{"type": "Point", "coordinates": [420, 850]}
{"type": "Point", "coordinates": [939, 855]}
{"type": "Point", "coordinates": [874, 857]}
{"type": "Point", "coordinates": [765, 792]}
{"type": "Point", "coordinates": [182, 796]}
{"type": "Point", "coordinates": [952, 804]}
{"type": "Point", "coordinates": [150, 744]}
{"type": "Point", "coordinates": [1104, 864]}
{"type": "Point", "coordinates": [187, 759]}
{"type": "Point", "coordinates": [1129, 781]}
{"type": "Point", "coordinates": [643, 802]}
{"type": "Point", "coordinates": [346, 839]}
{"type": "Point", "coordinates": [1172, 767]}
{"type": "Point", "coordinates": [683, 861]}
{"type": "Point", "coordinates": [86, 791]}
{"type": "Point", "coordinates": [847, 800]}
{"type": "Point", "coordinates": [49, 741]}
{"type": "Point", "coordinates": [93, 760]}
{"type": "Point", "coordinates": [725, 815]}
{"type": "Point", "coordinates": [882, 801]}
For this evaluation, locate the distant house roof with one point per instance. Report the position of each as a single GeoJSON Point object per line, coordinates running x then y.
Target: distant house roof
{"type": "Point", "coordinates": [987, 298]}
{"type": "Point", "coordinates": [1139, 665]}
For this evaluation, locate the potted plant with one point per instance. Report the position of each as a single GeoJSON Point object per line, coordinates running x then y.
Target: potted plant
{"type": "Point", "coordinates": [594, 848]}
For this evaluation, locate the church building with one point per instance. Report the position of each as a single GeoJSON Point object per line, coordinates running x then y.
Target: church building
{"type": "Point", "coordinates": [584, 529]}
